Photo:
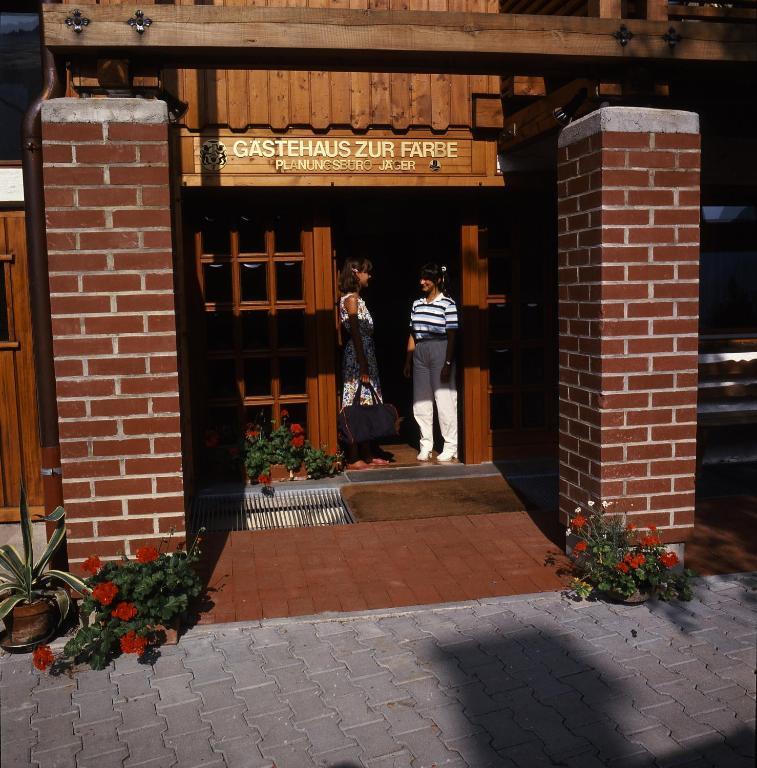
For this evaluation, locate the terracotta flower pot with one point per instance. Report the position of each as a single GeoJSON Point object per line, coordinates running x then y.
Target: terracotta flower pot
{"type": "Point", "coordinates": [31, 623]}
{"type": "Point", "coordinates": [279, 472]}
{"type": "Point", "coordinates": [637, 598]}
{"type": "Point", "coordinates": [171, 631]}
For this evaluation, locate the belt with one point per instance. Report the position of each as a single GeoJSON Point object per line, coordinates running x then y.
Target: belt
{"type": "Point", "coordinates": [438, 337]}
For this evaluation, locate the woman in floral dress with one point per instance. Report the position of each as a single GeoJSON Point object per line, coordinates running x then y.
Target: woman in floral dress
{"type": "Point", "coordinates": [359, 361]}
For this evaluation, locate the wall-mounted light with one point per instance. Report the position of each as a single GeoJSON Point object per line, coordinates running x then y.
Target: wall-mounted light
{"type": "Point", "coordinates": [565, 114]}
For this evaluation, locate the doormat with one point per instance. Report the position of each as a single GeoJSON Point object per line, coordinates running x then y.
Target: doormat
{"type": "Point", "coordinates": [414, 500]}
{"type": "Point", "coordinates": [259, 511]}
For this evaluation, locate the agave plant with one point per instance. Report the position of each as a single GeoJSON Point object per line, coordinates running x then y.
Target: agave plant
{"type": "Point", "coordinates": [24, 581]}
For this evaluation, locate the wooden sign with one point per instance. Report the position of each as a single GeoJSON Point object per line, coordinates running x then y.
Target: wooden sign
{"type": "Point", "coordinates": [224, 158]}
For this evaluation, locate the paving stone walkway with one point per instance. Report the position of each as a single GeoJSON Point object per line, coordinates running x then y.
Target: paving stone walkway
{"type": "Point", "coordinates": [524, 681]}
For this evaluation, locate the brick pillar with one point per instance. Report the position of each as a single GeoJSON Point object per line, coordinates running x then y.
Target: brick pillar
{"type": "Point", "coordinates": [628, 190]}
{"type": "Point", "coordinates": [114, 323]}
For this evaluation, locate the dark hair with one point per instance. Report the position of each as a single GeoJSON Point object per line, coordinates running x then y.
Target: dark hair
{"type": "Point", "coordinates": [437, 274]}
{"type": "Point", "coordinates": [348, 281]}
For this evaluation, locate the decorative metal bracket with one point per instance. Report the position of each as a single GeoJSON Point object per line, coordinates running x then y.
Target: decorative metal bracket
{"type": "Point", "coordinates": [623, 35]}
{"type": "Point", "coordinates": [77, 22]}
{"type": "Point", "coordinates": [139, 22]}
{"type": "Point", "coordinates": [672, 38]}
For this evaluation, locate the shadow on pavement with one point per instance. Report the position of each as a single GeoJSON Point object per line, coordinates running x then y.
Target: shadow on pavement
{"type": "Point", "coordinates": [533, 699]}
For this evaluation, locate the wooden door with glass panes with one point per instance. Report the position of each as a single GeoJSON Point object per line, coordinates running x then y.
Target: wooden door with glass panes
{"type": "Point", "coordinates": [518, 244]}
{"type": "Point", "coordinates": [255, 276]}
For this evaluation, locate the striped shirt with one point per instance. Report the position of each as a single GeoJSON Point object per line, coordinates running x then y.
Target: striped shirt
{"type": "Point", "coordinates": [433, 320]}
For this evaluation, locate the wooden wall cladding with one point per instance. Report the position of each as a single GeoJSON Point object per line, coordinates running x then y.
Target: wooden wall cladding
{"type": "Point", "coordinates": [19, 443]}
{"type": "Point", "coordinates": [320, 100]}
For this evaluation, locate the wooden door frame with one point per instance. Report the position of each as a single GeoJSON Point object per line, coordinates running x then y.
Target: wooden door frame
{"type": "Point", "coordinates": [475, 421]}
{"type": "Point", "coordinates": [325, 405]}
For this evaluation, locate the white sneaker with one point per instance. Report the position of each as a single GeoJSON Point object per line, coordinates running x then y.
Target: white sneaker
{"type": "Point", "coordinates": [446, 456]}
{"type": "Point", "coordinates": [424, 456]}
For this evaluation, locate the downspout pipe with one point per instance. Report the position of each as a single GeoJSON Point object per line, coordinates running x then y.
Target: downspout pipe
{"type": "Point", "coordinates": [53, 80]}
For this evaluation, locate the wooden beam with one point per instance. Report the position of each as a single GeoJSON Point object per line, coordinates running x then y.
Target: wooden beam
{"type": "Point", "coordinates": [525, 85]}
{"type": "Point", "coordinates": [657, 10]}
{"type": "Point", "coordinates": [706, 12]}
{"type": "Point", "coordinates": [605, 9]}
{"type": "Point", "coordinates": [487, 112]}
{"type": "Point", "coordinates": [538, 119]}
{"type": "Point", "coordinates": [368, 40]}
{"type": "Point", "coordinates": [113, 73]}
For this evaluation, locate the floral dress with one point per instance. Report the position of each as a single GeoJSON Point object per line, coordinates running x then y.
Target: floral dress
{"type": "Point", "coordinates": [350, 365]}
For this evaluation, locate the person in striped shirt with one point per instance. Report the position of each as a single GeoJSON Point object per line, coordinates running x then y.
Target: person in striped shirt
{"type": "Point", "coordinates": [430, 358]}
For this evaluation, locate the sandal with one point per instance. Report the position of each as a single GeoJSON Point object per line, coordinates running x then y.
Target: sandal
{"type": "Point", "coordinates": [376, 462]}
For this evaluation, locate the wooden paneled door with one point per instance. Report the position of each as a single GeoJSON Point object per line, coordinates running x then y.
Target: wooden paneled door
{"type": "Point", "coordinates": [264, 280]}
{"type": "Point", "coordinates": [19, 440]}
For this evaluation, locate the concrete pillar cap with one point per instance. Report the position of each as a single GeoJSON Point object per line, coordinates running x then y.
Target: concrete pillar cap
{"type": "Point", "coordinates": [72, 110]}
{"type": "Point", "coordinates": [629, 120]}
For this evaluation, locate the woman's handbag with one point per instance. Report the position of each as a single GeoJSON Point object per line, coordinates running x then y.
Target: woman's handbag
{"type": "Point", "coordinates": [363, 423]}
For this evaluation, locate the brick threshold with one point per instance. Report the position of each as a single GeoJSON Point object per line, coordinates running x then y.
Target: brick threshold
{"type": "Point", "coordinates": [379, 565]}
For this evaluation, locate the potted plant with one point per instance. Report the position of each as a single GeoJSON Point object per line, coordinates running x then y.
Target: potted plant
{"type": "Point", "coordinates": [284, 453]}
{"type": "Point", "coordinates": [620, 562]}
{"type": "Point", "coordinates": [133, 602]}
{"type": "Point", "coordinates": [221, 455]}
{"type": "Point", "coordinates": [32, 607]}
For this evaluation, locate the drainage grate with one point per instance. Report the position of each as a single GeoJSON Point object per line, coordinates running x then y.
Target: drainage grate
{"type": "Point", "coordinates": [262, 512]}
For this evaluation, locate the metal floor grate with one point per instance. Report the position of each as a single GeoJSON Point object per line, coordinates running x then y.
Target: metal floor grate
{"type": "Point", "coordinates": [262, 512]}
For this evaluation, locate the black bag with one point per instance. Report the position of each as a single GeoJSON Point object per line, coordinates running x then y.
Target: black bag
{"type": "Point", "coordinates": [363, 423]}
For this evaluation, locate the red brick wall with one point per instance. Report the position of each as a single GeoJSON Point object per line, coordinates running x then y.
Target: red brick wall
{"type": "Point", "coordinates": [628, 189]}
{"type": "Point", "coordinates": [114, 325]}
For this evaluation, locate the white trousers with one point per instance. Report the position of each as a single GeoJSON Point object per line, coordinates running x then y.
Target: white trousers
{"type": "Point", "coordinates": [428, 361]}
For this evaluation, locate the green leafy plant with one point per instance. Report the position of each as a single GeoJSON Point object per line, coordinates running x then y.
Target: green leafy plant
{"type": "Point", "coordinates": [285, 445]}
{"type": "Point", "coordinates": [130, 600]}
{"type": "Point", "coordinates": [22, 581]}
{"type": "Point", "coordinates": [612, 557]}
{"type": "Point", "coordinates": [320, 463]}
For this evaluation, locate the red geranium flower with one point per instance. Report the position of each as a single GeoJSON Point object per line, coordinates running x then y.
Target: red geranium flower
{"type": "Point", "coordinates": [579, 521]}
{"type": "Point", "coordinates": [42, 657]}
{"type": "Point", "coordinates": [634, 560]}
{"type": "Point", "coordinates": [252, 434]}
{"type": "Point", "coordinates": [580, 547]}
{"type": "Point", "coordinates": [622, 567]}
{"type": "Point", "coordinates": [284, 413]}
{"type": "Point", "coordinates": [631, 527]}
{"type": "Point", "coordinates": [124, 611]}
{"type": "Point", "coordinates": [105, 593]}
{"type": "Point", "coordinates": [296, 429]}
{"type": "Point", "coordinates": [669, 559]}
{"type": "Point", "coordinates": [92, 564]}
{"type": "Point", "coordinates": [298, 441]}
{"type": "Point", "coordinates": [147, 554]}
{"type": "Point", "coordinates": [650, 541]}
{"type": "Point", "coordinates": [131, 642]}
{"type": "Point", "coordinates": [264, 479]}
